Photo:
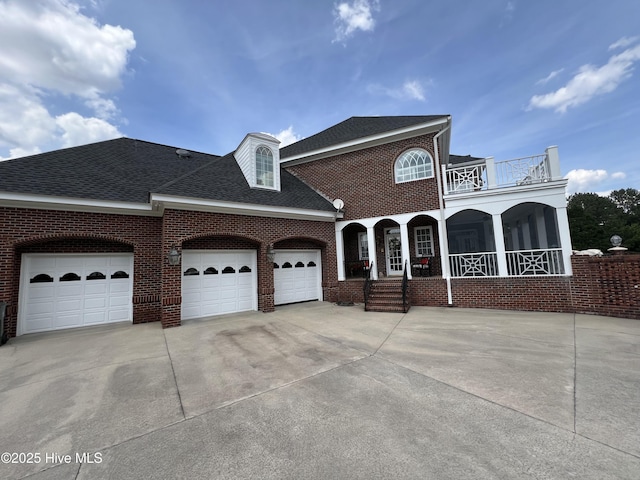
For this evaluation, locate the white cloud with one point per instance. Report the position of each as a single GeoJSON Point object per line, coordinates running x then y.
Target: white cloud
{"type": "Point", "coordinates": [49, 47]}
{"type": "Point", "coordinates": [549, 77]}
{"type": "Point", "coordinates": [350, 17]}
{"type": "Point", "coordinates": [287, 136]}
{"type": "Point", "coordinates": [583, 180]}
{"type": "Point", "coordinates": [77, 130]}
{"type": "Point", "coordinates": [624, 42]}
{"type": "Point", "coordinates": [410, 90]}
{"type": "Point", "coordinates": [589, 82]}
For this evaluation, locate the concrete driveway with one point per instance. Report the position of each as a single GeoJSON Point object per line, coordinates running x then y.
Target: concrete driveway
{"type": "Point", "coordinates": [321, 391]}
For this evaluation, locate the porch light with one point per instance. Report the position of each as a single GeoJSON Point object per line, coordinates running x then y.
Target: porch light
{"type": "Point", "coordinates": [173, 256]}
{"type": "Point", "coordinates": [271, 253]}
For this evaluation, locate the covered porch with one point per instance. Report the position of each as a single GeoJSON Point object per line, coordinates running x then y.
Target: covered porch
{"type": "Point", "coordinates": [383, 247]}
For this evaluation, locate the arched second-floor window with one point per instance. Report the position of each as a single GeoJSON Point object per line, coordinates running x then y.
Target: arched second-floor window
{"type": "Point", "coordinates": [413, 165]}
{"type": "Point", "coordinates": [264, 167]}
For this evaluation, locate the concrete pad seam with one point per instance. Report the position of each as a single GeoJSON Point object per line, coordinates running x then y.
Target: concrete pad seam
{"type": "Point", "coordinates": [607, 445]}
{"type": "Point", "coordinates": [390, 333]}
{"type": "Point", "coordinates": [82, 371]}
{"type": "Point", "coordinates": [472, 394]}
{"type": "Point", "coordinates": [278, 387]}
{"type": "Point", "coordinates": [173, 371]}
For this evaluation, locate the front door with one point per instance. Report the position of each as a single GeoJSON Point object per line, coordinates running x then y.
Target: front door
{"type": "Point", "coordinates": [393, 251]}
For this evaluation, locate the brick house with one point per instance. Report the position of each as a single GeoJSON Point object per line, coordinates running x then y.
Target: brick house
{"type": "Point", "coordinates": [127, 230]}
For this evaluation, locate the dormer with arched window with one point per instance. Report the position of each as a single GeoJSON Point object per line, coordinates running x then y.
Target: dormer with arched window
{"type": "Point", "coordinates": [259, 159]}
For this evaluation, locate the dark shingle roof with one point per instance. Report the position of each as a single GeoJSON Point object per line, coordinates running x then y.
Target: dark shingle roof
{"type": "Point", "coordinates": [458, 159]}
{"type": "Point", "coordinates": [353, 129]}
{"type": "Point", "coordinates": [223, 180]}
{"type": "Point", "coordinates": [129, 170]}
{"type": "Point", "coordinates": [123, 169]}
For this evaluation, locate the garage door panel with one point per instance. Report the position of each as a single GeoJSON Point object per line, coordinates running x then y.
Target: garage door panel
{"type": "Point", "coordinates": [93, 318]}
{"type": "Point", "coordinates": [81, 292]}
{"type": "Point", "coordinates": [220, 286]}
{"type": "Point", "coordinates": [298, 277]}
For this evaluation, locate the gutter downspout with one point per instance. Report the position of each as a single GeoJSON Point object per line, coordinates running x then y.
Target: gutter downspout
{"type": "Point", "coordinates": [444, 245]}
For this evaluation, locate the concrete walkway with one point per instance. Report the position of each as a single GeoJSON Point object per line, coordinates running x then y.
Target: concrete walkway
{"type": "Point", "coordinates": [321, 391]}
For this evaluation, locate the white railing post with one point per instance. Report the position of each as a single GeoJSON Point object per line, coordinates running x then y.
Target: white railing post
{"type": "Point", "coordinates": [490, 165]}
{"type": "Point", "coordinates": [445, 182]}
{"type": "Point", "coordinates": [553, 159]}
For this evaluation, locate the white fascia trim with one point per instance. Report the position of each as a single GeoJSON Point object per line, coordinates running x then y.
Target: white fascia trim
{"type": "Point", "coordinates": [47, 202]}
{"type": "Point", "coordinates": [360, 143]}
{"type": "Point", "coordinates": [200, 205]}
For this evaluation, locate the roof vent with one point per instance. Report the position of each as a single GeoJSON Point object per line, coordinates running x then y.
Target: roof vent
{"type": "Point", "coordinates": [182, 153]}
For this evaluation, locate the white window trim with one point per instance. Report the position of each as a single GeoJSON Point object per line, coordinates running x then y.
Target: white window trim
{"type": "Point", "coordinates": [430, 242]}
{"type": "Point", "coordinates": [362, 237]}
{"type": "Point", "coordinates": [273, 186]}
{"type": "Point", "coordinates": [395, 164]}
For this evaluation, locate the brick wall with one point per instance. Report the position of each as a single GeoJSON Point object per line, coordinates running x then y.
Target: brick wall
{"type": "Point", "coordinates": [156, 285]}
{"type": "Point", "coordinates": [607, 285]}
{"type": "Point", "coordinates": [365, 180]}
{"type": "Point", "coordinates": [52, 231]}
{"type": "Point", "coordinates": [187, 229]}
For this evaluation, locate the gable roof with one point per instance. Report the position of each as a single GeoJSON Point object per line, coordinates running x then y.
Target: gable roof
{"type": "Point", "coordinates": [130, 170]}
{"type": "Point", "coordinates": [355, 128]}
{"type": "Point", "coordinates": [460, 159]}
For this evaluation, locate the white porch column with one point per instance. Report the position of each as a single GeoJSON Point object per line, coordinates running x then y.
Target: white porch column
{"type": "Point", "coordinates": [340, 253]}
{"type": "Point", "coordinates": [553, 160]}
{"type": "Point", "coordinates": [373, 254]}
{"type": "Point", "coordinates": [498, 238]}
{"type": "Point", "coordinates": [404, 244]}
{"type": "Point", "coordinates": [565, 238]}
{"type": "Point", "coordinates": [444, 247]}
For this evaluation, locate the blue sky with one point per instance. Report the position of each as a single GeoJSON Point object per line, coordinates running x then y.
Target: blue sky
{"type": "Point", "coordinates": [516, 75]}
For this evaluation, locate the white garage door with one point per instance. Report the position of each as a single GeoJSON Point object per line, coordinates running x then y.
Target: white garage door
{"type": "Point", "coordinates": [218, 282]}
{"type": "Point", "coordinates": [297, 276]}
{"type": "Point", "coordinates": [69, 290]}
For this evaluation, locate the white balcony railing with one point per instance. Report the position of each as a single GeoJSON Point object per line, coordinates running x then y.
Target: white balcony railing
{"type": "Point", "coordinates": [519, 263]}
{"type": "Point", "coordinates": [535, 262]}
{"type": "Point", "coordinates": [488, 174]}
{"type": "Point", "coordinates": [483, 264]}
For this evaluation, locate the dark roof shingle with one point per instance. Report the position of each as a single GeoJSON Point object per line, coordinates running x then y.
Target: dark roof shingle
{"type": "Point", "coordinates": [128, 170]}
{"type": "Point", "coordinates": [352, 129]}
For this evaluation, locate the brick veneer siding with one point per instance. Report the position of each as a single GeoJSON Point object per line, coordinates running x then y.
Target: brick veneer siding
{"type": "Point", "coordinates": [365, 180]}
{"type": "Point", "coordinates": [182, 228]}
{"type": "Point", "coordinates": [52, 231]}
{"type": "Point", "coordinates": [608, 286]}
{"type": "Point", "coordinates": [156, 284]}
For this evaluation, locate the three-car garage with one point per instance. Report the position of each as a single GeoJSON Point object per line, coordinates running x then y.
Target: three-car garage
{"type": "Point", "coordinates": [59, 291]}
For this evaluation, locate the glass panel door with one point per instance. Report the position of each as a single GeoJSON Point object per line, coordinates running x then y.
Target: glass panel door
{"type": "Point", "coordinates": [393, 250]}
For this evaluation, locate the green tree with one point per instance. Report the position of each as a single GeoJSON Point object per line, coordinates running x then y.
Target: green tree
{"type": "Point", "coordinates": [594, 219]}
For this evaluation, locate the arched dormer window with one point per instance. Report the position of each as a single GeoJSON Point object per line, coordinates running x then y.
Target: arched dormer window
{"type": "Point", "coordinates": [413, 165]}
{"type": "Point", "coordinates": [264, 167]}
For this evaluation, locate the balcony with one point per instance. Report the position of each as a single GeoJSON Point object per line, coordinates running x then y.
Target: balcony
{"type": "Point", "coordinates": [487, 174]}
